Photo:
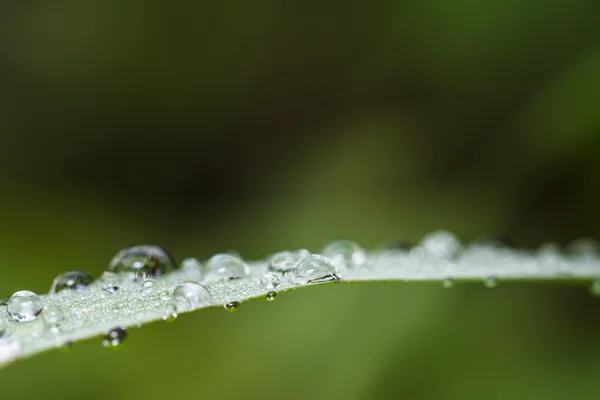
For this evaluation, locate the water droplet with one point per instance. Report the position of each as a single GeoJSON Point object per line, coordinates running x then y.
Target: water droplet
{"type": "Point", "coordinates": [595, 288]}
{"type": "Point", "coordinates": [24, 306]}
{"type": "Point", "coordinates": [448, 283]}
{"type": "Point", "coordinates": [585, 248]}
{"type": "Point", "coordinates": [345, 253]}
{"type": "Point", "coordinates": [111, 282]}
{"type": "Point", "coordinates": [114, 338]}
{"type": "Point", "coordinates": [287, 260]}
{"type": "Point", "coordinates": [170, 313]}
{"type": "Point", "coordinates": [441, 244]}
{"type": "Point", "coordinates": [490, 281]}
{"type": "Point", "coordinates": [225, 266]}
{"type": "Point", "coordinates": [53, 316]}
{"type": "Point", "coordinates": [272, 295]}
{"type": "Point", "coordinates": [66, 347]}
{"type": "Point", "coordinates": [71, 280]}
{"type": "Point", "coordinates": [141, 262]}
{"type": "Point", "coordinates": [149, 285]}
{"type": "Point", "coordinates": [269, 280]}
{"type": "Point", "coordinates": [191, 295]}
{"type": "Point", "coordinates": [191, 267]}
{"type": "Point", "coordinates": [315, 269]}
{"type": "Point", "coordinates": [232, 306]}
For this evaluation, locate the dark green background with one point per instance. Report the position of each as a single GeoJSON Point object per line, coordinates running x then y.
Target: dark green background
{"type": "Point", "coordinates": [260, 126]}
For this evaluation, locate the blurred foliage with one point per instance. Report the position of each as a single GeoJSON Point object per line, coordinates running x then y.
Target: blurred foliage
{"type": "Point", "coordinates": [260, 126]}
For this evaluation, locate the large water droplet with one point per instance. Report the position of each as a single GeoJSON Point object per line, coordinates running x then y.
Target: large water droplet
{"type": "Point", "coordinates": [345, 253]}
{"type": "Point", "coordinates": [441, 244]}
{"type": "Point", "coordinates": [269, 280]}
{"type": "Point", "coordinates": [114, 338]}
{"type": "Point", "coordinates": [191, 295]}
{"type": "Point", "coordinates": [232, 306]}
{"type": "Point", "coordinates": [53, 316]}
{"type": "Point", "coordinates": [71, 280]}
{"type": "Point", "coordinates": [225, 266]}
{"type": "Point", "coordinates": [192, 267]}
{"type": "Point", "coordinates": [287, 260]}
{"type": "Point", "coordinates": [142, 262]}
{"type": "Point", "coordinates": [315, 269]}
{"type": "Point", "coordinates": [24, 306]}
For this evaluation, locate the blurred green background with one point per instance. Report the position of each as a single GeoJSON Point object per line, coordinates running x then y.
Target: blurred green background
{"type": "Point", "coordinates": [261, 126]}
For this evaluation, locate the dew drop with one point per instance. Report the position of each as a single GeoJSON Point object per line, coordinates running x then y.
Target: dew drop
{"type": "Point", "coordinates": [149, 285]}
{"type": "Point", "coordinates": [24, 306]}
{"type": "Point", "coordinates": [271, 296]}
{"type": "Point", "coordinates": [114, 338]}
{"type": "Point", "coordinates": [141, 262]}
{"type": "Point", "coordinates": [269, 280]}
{"type": "Point", "coordinates": [170, 313]}
{"type": "Point", "coordinates": [111, 282]}
{"type": "Point", "coordinates": [490, 281]}
{"type": "Point", "coordinates": [190, 295]}
{"type": "Point", "coordinates": [192, 267]}
{"type": "Point", "coordinates": [448, 283]}
{"type": "Point", "coordinates": [345, 253]}
{"type": "Point", "coordinates": [287, 260]}
{"type": "Point", "coordinates": [441, 244]}
{"type": "Point", "coordinates": [53, 316]}
{"type": "Point", "coordinates": [226, 266]}
{"type": "Point", "coordinates": [232, 306]}
{"type": "Point", "coordinates": [71, 280]}
{"type": "Point", "coordinates": [315, 269]}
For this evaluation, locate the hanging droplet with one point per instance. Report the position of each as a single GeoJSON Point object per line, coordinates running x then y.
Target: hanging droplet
{"type": "Point", "coordinates": [170, 313]}
{"type": "Point", "coordinates": [441, 244]}
{"type": "Point", "coordinates": [24, 306]}
{"type": "Point", "coordinates": [315, 269]}
{"type": "Point", "coordinates": [345, 253]}
{"type": "Point", "coordinates": [287, 260]}
{"type": "Point", "coordinates": [114, 338]}
{"type": "Point", "coordinates": [142, 262]}
{"type": "Point", "coordinates": [490, 281]}
{"type": "Point", "coordinates": [232, 306]}
{"type": "Point", "coordinates": [71, 280]}
{"type": "Point", "coordinates": [272, 295]}
{"type": "Point", "coordinates": [226, 266]}
{"type": "Point", "coordinates": [269, 280]}
{"type": "Point", "coordinates": [595, 288]}
{"type": "Point", "coordinates": [53, 316]}
{"type": "Point", "coordinates": [191, 295]}
{"type": "Point", "coordinates": [149, 286]}
{"type": "Point", "coordinates": [447, 283]}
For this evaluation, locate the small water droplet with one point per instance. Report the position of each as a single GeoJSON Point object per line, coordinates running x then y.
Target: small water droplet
{"type": "Point", "coordinates": [345, 253]}
{"type": "Point", "coordinates": [114, 338]}
{"type": "Point", "coordinates": [191, 295]}
{"type": "Point", "coordinates": [53, 316]}
{"type": "Point", "coordinates": [71, 280]}
{"type": "Point", "coordinates": [24, 306]}
{"type": "Point", "coordinates": [170, 313]}
{"type": "Point", "coordinates": [269, 280]}
{"type": "Point", "coordinates": [441, 244]}
{"type": "Point", "coordinates": [490, 281]}
{"type": "Point", "coordinates": [226, 266]}
{"type": "Point", "coordinates": [287, 260]}
{"type": "Point", "coordinates": [149, 285]}
{"type": "Point", "coordinates": [141, 262]}
{"type": "Point", "coordinates": [315, 269]}
{"type": "Point", "coordinates": [448, 283]}
{"type": "Point", "coordinates": [232, 306]}
{"type": "Point", "coordinates": [191, 267]}
{"type": "Point", "coordinates": [272, 295]}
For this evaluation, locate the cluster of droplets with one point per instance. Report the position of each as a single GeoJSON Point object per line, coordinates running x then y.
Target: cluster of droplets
{"type": "Point", "coordinates": [140, 267]}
